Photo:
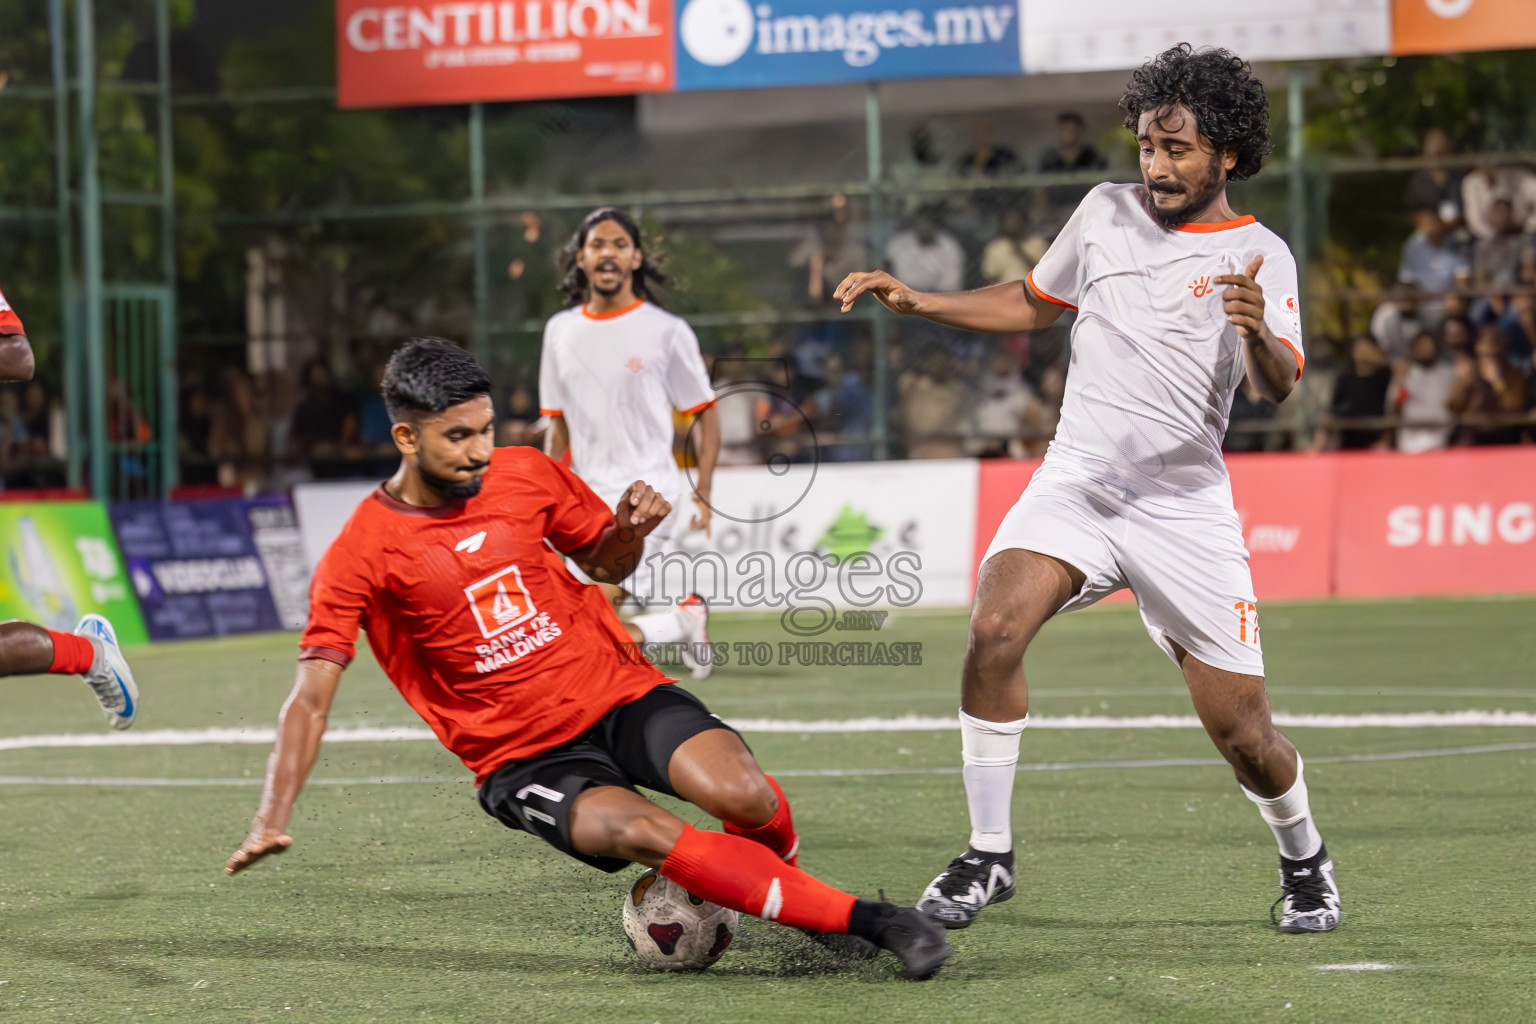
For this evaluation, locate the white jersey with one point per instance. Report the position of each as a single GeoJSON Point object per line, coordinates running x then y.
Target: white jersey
{"type": "Point", "coordinates": [616, 379]}
{"type": "Point", "coordinates": [1154, 360]}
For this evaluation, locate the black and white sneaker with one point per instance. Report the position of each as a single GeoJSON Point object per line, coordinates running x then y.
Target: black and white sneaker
{"type": "Point", "coordinates": [972, 881]}
{"type": "Point", "coordinates": [1309, 896]}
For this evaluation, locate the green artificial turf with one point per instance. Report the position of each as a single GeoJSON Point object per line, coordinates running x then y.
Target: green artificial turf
{"type": "Point", "coordinates": [1143, 895]}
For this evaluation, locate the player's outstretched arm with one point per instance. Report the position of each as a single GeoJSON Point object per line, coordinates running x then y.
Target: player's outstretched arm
{"type": "Point", "coordinates": [996, 309]}
{"type": "Point", "coordinates": [299, 728]}
{"type": "Point", "coordinates": [616, 552]}
{"type": "Point", "coordinates": [16, 361]}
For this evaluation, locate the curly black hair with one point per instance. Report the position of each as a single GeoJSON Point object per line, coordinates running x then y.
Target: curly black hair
{"type": "Point", "coordinates": [1229, 104]}
{"type": "Point", "coordinates": [426, 376]}
{"type": "Point", "coordinates": [648, 278]}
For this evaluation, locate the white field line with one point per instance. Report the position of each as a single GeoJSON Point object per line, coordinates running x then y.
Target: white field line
{"type": "Point", "coordinates": [800, 773]}
{"type": "Point", "coordinates": [904, 723]}
{"type": "Point", "coordinates": [1355, 967]}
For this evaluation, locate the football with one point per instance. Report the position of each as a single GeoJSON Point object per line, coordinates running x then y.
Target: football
{"type": "Point", "coordinates": [671, 929]}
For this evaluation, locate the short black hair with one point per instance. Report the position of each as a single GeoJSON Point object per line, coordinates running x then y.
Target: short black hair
{"type": "Point", "coordinates": [1229, 104]}
{"type": "Point", "coordinates": [648, 279]}
{"type": "Point", "coordinates": [1070, 116]}
{"type": "Point", "coordinates": [427, 375]}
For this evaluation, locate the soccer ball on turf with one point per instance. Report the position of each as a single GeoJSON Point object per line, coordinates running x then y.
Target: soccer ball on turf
{"type": "Point", "coordinates": [671, 929]}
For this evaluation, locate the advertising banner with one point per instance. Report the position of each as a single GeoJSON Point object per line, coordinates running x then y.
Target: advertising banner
{"type": "Point", "coordinates": [852, 535]}
{"type": "Point", "coordinates": [1286, 504]}
{"type": "Point", "coordinates": [212, 568]}
{"type": "Point", "coordinates": [1454, 26]}
{"type": "Point", "coordinates": [732, 44]}
{"type": "Point", "coordinates": [61, 562]}
{"type": "Point", "coordinates": [1095, 35]}
{"type": "Point", "coordinates": [323, 509]}
{"type": "Point", "coordinates": [444, 51]}
{"type": "Point", "coordinates": [1460, 522]}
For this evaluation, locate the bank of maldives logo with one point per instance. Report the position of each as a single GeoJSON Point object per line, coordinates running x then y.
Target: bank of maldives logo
{"type": "Point", "coordinates": [735, 42]}
{"type": "Point", "coordinates": [500, 602]}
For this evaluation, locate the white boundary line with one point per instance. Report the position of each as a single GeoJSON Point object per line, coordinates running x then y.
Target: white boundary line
{"type": "Point", "coordinates": [788, 773]}
{"type": "Point", "coordinates": [904, 723]}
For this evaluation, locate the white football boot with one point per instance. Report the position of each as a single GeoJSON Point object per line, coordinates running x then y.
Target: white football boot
{"type": "Point", "coordinates": [109, 677]}
{"type": "Point", "coordinates": [693, 612]}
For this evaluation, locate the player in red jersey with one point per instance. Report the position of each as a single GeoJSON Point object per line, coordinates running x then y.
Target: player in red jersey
{"type": "Point", "coordinates": [519, 670]}
{"type": "Point", "coordinates": [91, 651]}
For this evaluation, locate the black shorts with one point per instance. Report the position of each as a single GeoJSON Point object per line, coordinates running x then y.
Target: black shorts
{"type": "Point", "coordinates": [630, 746]}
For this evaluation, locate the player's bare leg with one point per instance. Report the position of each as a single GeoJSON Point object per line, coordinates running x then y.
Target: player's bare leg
{"type": "Point", "coordinates": [735, 872]}
{"type": "Point", "coordinates": [1234, 709]}
{"type": "Point", "coordinates": [90, 652]}
{"type": "Point", "coordinates": [1016, 592]}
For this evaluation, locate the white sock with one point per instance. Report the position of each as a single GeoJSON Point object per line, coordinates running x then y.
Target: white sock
{"type": "Point", "coordinates": [990, 751]}
{"type": "Point", "coordinates": [1289, 817]}
{"type": "Point", "coordinates": [660, 627]}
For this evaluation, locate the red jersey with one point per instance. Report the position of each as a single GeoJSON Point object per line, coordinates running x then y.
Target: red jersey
{"type": "Point", "coordinates": [474, 619]}
{"type": "Point", "coordinates": [10, 323]}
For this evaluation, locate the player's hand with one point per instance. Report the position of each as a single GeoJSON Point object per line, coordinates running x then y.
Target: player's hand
{"type": "Point", "coordinates": [641, 509]}
{"type": "Point", "coordinates": [890, 293]}
{"type": "Point", "coordinates": [1244, 301]}
{"type": "Point", "coordinates": [703, 518]}
{"type": "Point", "coordinates": [260, 843]}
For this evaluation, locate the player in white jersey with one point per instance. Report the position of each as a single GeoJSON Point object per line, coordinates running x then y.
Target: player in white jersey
{"type": "Point", "coordinates": [1178, 300]}
{"type": "Point", "coordinates": [614, 367]}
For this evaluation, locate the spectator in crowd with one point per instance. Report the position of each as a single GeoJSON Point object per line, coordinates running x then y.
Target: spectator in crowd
{"type": "Point", "coordinates": [1489, 392]}
{"type": "Point", "coordinates": [843, 410]}
{"type": "Point", "coordinates": [1396, 322]}
{"type": "Point", "coordinates": [1497, 261]}
{"type": "Point", "coordinates": [1070, 153]}
{"type": "Point", "coordinates": [1015, 251]}
{"type": "Point", "coordinates": [1248, 406]}
{"type": "Point", "coordinates": [1436, 187]}
{"type": "Point", "coordinates": [1423, 398]}
{"type": "Point", "coordinates": [13, 428]}
{"type": "Point", "coordinates": [372, 426]}
{"type": "Point", "coordinates": [931, 408]}
{"type": "Point", "coordinates": [521, 424]}
{"type": "Point", "coordinates": [1434, 263]}
{"type": "Point", "coordinates": [320, 421]}
{"type": "Point", "coordinates": [239, 438]}
{"type": "Point", "coordinates": [1489, 183]}
{"type": "Point", "coordinates": [1052, 390]}
{"type": "Point", "coordinates": [37, 416]}
{"type": "Point", "coordinates": [835, 249]}
{"type": "Point", "coordinates": [925, 257]}
{"type": "Point", "coordinates": [1519, 325]}
{"type": "Point", "coordinates": [1456, 337]}
{"type": "Point", "coordinates": [194, 419]}
{"type": "Point", "coordinates": [986, 158]}
{"type": "Point", "coordinates": [1360, 392]}
{"type": "Point", "coordinates": [1007, 408]}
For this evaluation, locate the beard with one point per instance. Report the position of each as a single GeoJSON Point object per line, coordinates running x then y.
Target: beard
{"type": "Point", "coordinates": [451, 489]}
{"type": "Point", "coordinates": [607, 292]}
{"type": "Point", "coordinates": [1194, 201]}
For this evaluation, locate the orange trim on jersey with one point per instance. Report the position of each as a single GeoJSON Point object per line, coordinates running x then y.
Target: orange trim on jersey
{"type": "Point", "coordinates": [1048, 298]}
{"type": "Point", "coordinates": [550, 412]}
{"type": "Point", "coordinates": [1224, 225]}
{"type": "Point", "coordinates": [1301, 360]}
{"type": "Point", "coordinates": [609, 316]}
{"type": "Point", "coordinates": [698, 408]}
{"type": "Point", "coordinates": [325, 654]}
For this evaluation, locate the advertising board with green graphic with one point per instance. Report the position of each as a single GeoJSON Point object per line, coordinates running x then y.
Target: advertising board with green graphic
{"type": "Point", "coordinates": [61, 561]}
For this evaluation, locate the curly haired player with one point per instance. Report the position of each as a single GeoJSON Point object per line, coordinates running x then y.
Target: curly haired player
{"type": "Point", "coordinates": [517, 668]}
{"type": "Point", "coordinates": [1178, 301]}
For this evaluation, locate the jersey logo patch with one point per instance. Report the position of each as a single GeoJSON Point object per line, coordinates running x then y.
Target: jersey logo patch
{"type": "Point", "coordinates": [471, 544]}
{"type": "Point", "coordinates": [1202, 286]}
{"type": "Point", "coordinates": [634, 364]}
{"type": "Point", "coordinates": [500, 602]}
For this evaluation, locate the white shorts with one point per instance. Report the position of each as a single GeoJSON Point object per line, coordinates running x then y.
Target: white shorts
{"type": "Point", "coordinates": [637, 584]}
{"type": "Point", "coordinates": [1187, 567]}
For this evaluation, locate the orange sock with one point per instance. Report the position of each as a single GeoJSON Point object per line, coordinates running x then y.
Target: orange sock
{"type": "Point", "coordinates": [748, 877]}
{"type": "Point", "coordinates": [779, 834]}
{"type": "Point", "coordinates": [72, 654]}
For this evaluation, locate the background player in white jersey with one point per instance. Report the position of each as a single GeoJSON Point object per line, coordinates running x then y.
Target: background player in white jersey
{"type": "Point", "coordinates": [614, 367]}
{"type": "Point", "coordinates": [1178, 299]}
